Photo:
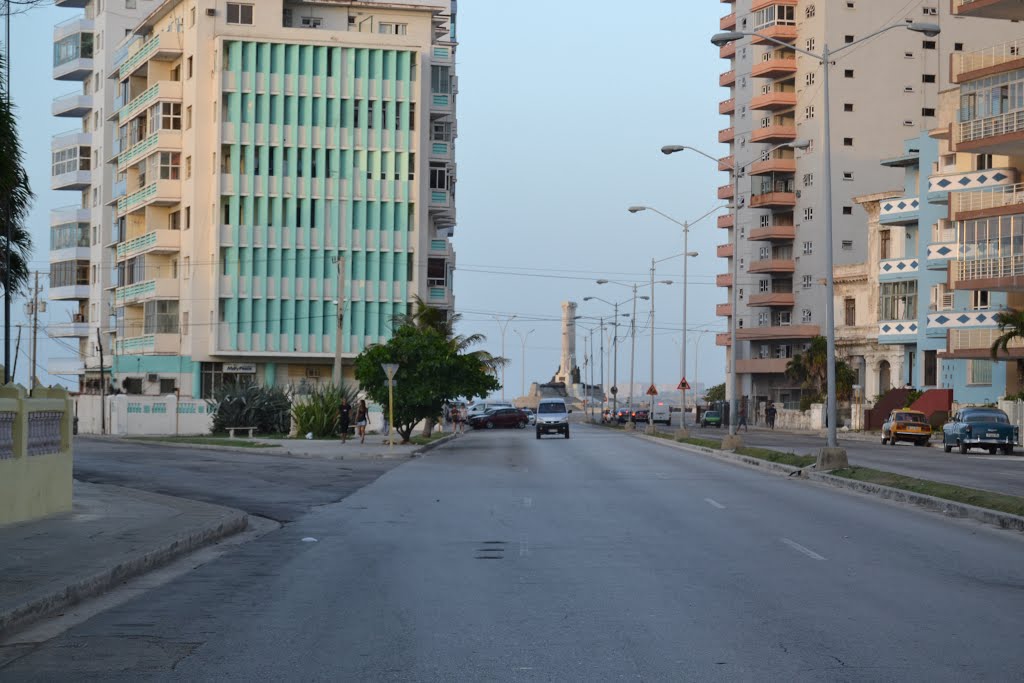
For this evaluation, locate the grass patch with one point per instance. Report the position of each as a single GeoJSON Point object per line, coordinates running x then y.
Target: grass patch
{"type": "Point", "coordinates": [984, 499]}
{"type": "Point", "coordinates": [420, 440]}
{"type": "Point", "coordinates": [777, 456]}
{"type": "Point", "coordinates": [704, 443]}
{"type": "Point", "coordinates": [205, 441]}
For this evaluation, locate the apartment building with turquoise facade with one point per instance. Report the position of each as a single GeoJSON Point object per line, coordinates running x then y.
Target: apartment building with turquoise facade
{"type": "Point", "coordinates": [272, 162]}
{"type": "Point", "coordinates": [917, 308]}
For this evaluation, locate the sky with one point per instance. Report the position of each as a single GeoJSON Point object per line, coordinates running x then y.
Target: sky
{"type": "Point", "coordinates": [563, 108]}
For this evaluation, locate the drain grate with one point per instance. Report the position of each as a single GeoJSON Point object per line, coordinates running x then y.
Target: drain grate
{"type": "Point", "coordinates": [491, 550]}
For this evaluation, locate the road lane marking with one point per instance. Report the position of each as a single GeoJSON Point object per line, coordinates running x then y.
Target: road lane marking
{"type": "Point", "coordinates": [801, 549]}
{"type": "Point", "coordinates": [714, 503]}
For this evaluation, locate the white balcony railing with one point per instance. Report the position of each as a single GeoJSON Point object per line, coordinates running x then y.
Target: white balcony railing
{"type": "Point", "coordinates": [980, 129]}
{"type": "Point", "coordinates": [989, 56]}
{"type": "Point", "coordinates": [987, 268]}
{"type": "Point", "coordinates": [997, 197]}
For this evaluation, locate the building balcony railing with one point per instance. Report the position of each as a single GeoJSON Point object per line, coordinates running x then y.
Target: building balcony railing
{"type": "Point", "coordinates": [66, 367]}
{"type": "Point", "coordinates": [989, 9]}
{"type": "Point", "coordinates": [727, 79]}
{"type": "Point", "coordinates": [159, 288]}
{"type": "Point", "coordinates": [773, 101]}
{"type": "Point", "coordinates": [773, 166]}
{"type": "Point", "coordinates": [761, 366]}
{"type": "Point", "coordinates": [779, 332]}
{"type": "Point", "coordinates": [772, 265]}
{"type": "Point", "coordinates": [727, 106]}
{"type": "Point", "coordinates": [774, 133]}
{"type": "Point", "coordinates": [723, 339]}
{"type": "Point", "coordinates": [727, 51]}
{"type": "Point", "coordinates": [161, 192]}
{"type": "Point", "coordinates": [75, 69]}
{"type": "Point", "coordinates": [727, 134]}
{"type": "Point", "coordinates": [160, 344]}
{"type": "Point", "coordinates": [773, 199]}
{"type": "Point", "coordinates": [728, 22]}
{"type": "Point", "coordinates": [723, 280]}
{"type": "Point", "coordinates": [71, 180]}
{"type": "Point", "coordinates": [161, 140]}
{"type": "Point", "coordinates": [1010, 54]}
{"type": "Point", "coordinates": [899, 211]}
{"type": "Point", "coordinates": [164, 45]}
{"type": "Point", "coordinates": [68, 330]}
{"type": "Point", "coordinates": [778, 67]}
{"type": "Point", "coordinates": [724, 250]}
{"type": "Point", "coordinates": [762, 4]}
{"type": "Point", "coordinates": [69, 27]}
{"type": "Point", "coordinates": [155, 242]}
{"type": "Point", "coordinates": [982, 200]}
{"type": "Point", "coordinates": [72, 105]}
{"type": "Point", "coordinates": [975, 135]}
{"type": "Point", "coordinates": [726, 221]}
{"type": "Point", "coordinates": [977, 343]}
{"type": "Point", "coordinates": [168, 91]}
{"type": "Point", "coordinates": [727, 163]}
{"type": "Point", "coordinates": [723, 310]}
{"type": "Point", "coordinates": [995, 268]}
{"type": "Point", "coordinates": [73, 213]}
{"type": "Point", "coordinates": [773, 232]}
{"type": "Point", "coordinates": [726, 191]}
{"type": "Point", "coordinates": [75, 292]}
{"type": "Point", "coordinates": [773, 300]}
{"type": "Point", "coordinates": [940, 185]}
{"type": "Point", "coordinates": [787, 33]}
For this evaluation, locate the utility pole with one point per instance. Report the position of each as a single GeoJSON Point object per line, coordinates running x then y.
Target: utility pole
{"type": "Point", "coordinates": [103, 385]}
{"type": "Point", "coordinates": [7, 206]}
{"type": "Point", "coordinates": [35, 333]}
{"type": "Point", "coordinates": [17, 350]}
{"type": "Point", "coordinates": [337, 378]}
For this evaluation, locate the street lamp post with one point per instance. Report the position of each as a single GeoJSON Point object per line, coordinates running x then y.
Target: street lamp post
{"type": "Point", "coordinates": [522, 362]}
{"type": "Point", "coordinates": [832, 456]}
{"type": "Point", "coordinates": [615, 349]}
{"type": "Point", "coordinates": [737, 172]}
{"type": "Point", "coordinates": [687, 255]}
{"type": "Point", "coordinates": [503, 326]}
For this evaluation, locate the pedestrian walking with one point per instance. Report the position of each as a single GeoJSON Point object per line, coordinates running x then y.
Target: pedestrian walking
{"type": "Point", "coordinates": [362, 414]}
{"type": "Point", "coordinates": [344, 418]}
{"type": "Point", "coordinates": [456, 420]}
{"type": "Point", "coordinates": [769, 415]}
{"type": "Point", "coordinates": [743, 417]}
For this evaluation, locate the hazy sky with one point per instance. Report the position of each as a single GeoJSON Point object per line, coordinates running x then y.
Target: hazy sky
{"type": "Point", "coordinates": [563, 107]}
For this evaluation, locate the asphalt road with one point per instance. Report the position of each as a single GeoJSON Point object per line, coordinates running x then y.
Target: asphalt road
{"type": "Point", "coordinates": [604, 557]}
{"type": "Point", "coordinates": [281, 488]}
{"type": "Point", "coordinates": [1000, 473]}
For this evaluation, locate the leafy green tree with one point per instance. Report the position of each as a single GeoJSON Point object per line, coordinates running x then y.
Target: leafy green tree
{"type": "Point", "coordinates": [810, 370]}
{"type": "Point", "coordinates": [431, 371]}
{"type": "Point", "coordinates": [15, 195]}
{"type": "Point", "coordinates": [715, 393]}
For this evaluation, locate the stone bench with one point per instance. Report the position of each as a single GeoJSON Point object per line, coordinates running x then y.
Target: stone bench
{"type": "Point", "coordinates": [232, 430]}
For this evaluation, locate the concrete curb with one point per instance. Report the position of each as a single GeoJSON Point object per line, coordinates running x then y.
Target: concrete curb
{"type": "Point", "coordinates": [275, 449]}
{"type": "Point", "coordinates": [422, 450]}
{"type": "Point", "coordinates": [81, 588]}
{"type": "Point", "coordinates": [948, 508]}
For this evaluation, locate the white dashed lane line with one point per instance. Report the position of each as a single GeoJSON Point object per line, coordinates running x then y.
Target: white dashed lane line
{"type": "Point", "coordinates": [801, 549]}
{"type": "Point", "coordinates": [714, 503]}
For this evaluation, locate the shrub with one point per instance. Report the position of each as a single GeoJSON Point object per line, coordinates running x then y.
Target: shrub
{"type": "Point", "coordinates": [268, 409]}
{"type": "Point", "coordinates": [317, 410]}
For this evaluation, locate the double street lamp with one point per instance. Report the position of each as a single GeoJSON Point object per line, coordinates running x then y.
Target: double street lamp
{"type": "Point", "coordinates": [615, 349]}
{"type": "Point", "coordinates": [687, 255]}
{"type": "Point", "coordinates": [825, 59]}
{"type": "Point", "coordinates": [523, 337]}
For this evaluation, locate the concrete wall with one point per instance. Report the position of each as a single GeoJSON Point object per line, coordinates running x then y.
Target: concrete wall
{"type": "Point", "coordinates": [143, 415]}
{"type": "Point", "coordinates": [35, 453]}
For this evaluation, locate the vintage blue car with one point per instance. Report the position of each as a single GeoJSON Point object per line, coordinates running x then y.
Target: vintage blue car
{"type": "Point", "coordinates": [987, 428]}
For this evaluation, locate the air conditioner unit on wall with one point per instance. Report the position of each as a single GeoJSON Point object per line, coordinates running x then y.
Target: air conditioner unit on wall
{"type": "Point", "coordinates": [152, 377]}
{"type": "Point", "coordinates": [211, 12]}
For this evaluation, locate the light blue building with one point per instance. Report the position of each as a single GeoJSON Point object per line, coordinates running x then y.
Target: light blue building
{"type": "Point", "coordinates": [916, 242]}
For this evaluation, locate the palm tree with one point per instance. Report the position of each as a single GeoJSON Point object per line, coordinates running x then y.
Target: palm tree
{"type": "Point", "coordinates": [1011, 326]}
{"type": "Point", "coordinates": [15, 196]}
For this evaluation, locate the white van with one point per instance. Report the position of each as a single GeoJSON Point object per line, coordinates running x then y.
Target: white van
{"type": "Point", "coordinates": [661, 413]}
{"type": "Point", "coordinates": [552, 416]}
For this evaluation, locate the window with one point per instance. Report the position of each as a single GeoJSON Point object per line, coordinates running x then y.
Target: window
{"type": "Point", "coordinates": [979, 372]}
{"type": "Point", "coordinates": [174, 220]}
{"type": "Point", "coordinates": [929, 11]}
{"type": "Point", "coordinates": [763, 319]}
{"type": "Point", "coordinates": [311, 22]}
{"type": "Point", "coordinates": [848, 106]}
{"type": "Point", "coordinates": [847, 210]}
{"type": "Point", "coordinates": [188, 67]}
{"type": "Point", "coordinates": [847, 245]}
{"type": "Point", "coordinates": [188, 117]}
{"type": "Point", "coordinates": [764, 286]}
{"type": "Point", "coordinates": [884, 244]}
{"type": "Point", "coordinates": [808, 179]}
{"type": "Point", "coordinates": [805, 316]}
{"type": "Point", "coordinates": [930, 367]}
{"type": "Point", "coordinates": [941, 298]}
{"type": "Point", "coordinates": [188, 217]}
{"type": "Point", "coordinates": [806, 281]}
{"type": "Point", "coordinates": [809, 78]}
{"type": "Point", "coordinates": [928, 78]}
{"type": "Point", "coordinates": [809, 214]}
{"type": "Point", "coordinates": [764, 252]}
{"type": "Point", "coordinates": [980, 300]}
{"type": "Point", "coordinates": [847, 175]}
{"type": "Point", "coordinates": [809, 111]}
{"type": "Point", "coordinates": [188, 167]}
{"type": "Point", "coordinates": [850, 311]}
{"type": "Point", "coordinates": [192, 16]}
{"type": "Point", "coordinates": [438, 176]}
{"type": "Point", "coordinates": [958, 47]}
{"type": "Point", "coordinates": [927, 111]}
{"type": "Point", "coordinates": [848, 73]}
{"type": "Point", "coordinates": [809, 11]}
{"type": "Point", "coordinates": [908, 55]}
{"type": "Point", "coordinates": [186, 273]}
{"type": "Point", "coordinates": [808, 248]}
{"type": "Point", "coordinates": [928, 44]}
{"type": "Point", "coordinates": [848, 39]}
{"type": "Point", "coordinates": [982, 162]}
{"type": "Point", "coordinates": [168, 385]}
{"type": "Point", "coordinates": [392, 29]}
{"type": "Point", "coordinates": [897, 300]}
{"type": "Point", "coordinates": [809, 44]}
{"type": "Point", "coordinates": [766, 220]}
{"type": "Point", "coordinates": [239, 13]}
{"type": "Point", "coordinates": [848, 142]}
{"type": "Point", "coordinates": [440, 80]}
{"type": "Point", "coordinates": [170, 165]}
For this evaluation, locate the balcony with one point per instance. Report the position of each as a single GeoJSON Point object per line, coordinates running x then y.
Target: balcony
{"type": "Point", "coordinates": [159, 288]}
{"type": "Point", "coordinates": [76, 292]}
{"type": "Point", "coordinates": [724, 250]}
{"type": "Point", "coordinates": [726, 192]}
{"type": "Point", "coordinates": [727, 79]}
{"type": "Point", "coordinates": [67, 367]}
{"type": "Point", "coordinates": [778, 332]}
{"type": "Point", "coordinates": [75, 179]}
{"type": "Point", "coordinates": [785, 32]}
{"type": "Point", "coordinates": [74, 26]}
{"type": "Point", "coordinates": [770, 200]}
{"type": "Point", "coordinates": [726, 163]}
{"type": "Point", "coordinates": [727, 51]}
{"type": "Point", "coordinates": [778, 67]}
{"type": "Point", "coordinates": [940, 185]}
{"type": "Point", "coordinates": [74, 329]}
{"type": "Point", "coordinates": [726, 134]}
{"type": "Point", "coordinates": [155, 242]}
{"type": "Point", "coordinates": [897, 331]}
{"type": "Point", "coordinates": [161, 140]}
{"type": "Point", "coordinates": [773, 232]}
{"type": "Point", "coordinates": [773, 101]}
{"type": "Point", "coordinates": [727, 106]}
{"type": "Point", "coordinates": [723, 310]}
{"type": "Point", "coordinates": [1001, 273]}
{"type": "Point", "coordinates": [728, 22]}
{"type": "Point", "coordinates": [73, 105]}
{"type": "Point", "coordinates": [761, 366]}
{"type": "Point", "coordinates": [761, 4]}
{"type": "Point", "coordinates": [773, 166]}
{"type": "Point", "coordinates": [159, 193]}
{"type": "Point", "coordinates": [74, 213]}
{"type": "Point", "coordinates": [163, 46]}
{"type": "Point", "coordinates": [975, 343]}
{"type": "Point", "coordinates": [159, 344]}
{"type": "Point", "coordinates": [995, 201]}
{"type": "Point", "coordinates": [773, 300]}
{"type": "Point", "coordinates": [723, 280]}
{"type": "Point", "coordinates": [727, 221]}
{"type": "Point", "coordinates": [989, 9]}
{"type": "Point", "coordinates": [898, 269]}
{"type": "Point", "coordinates": [162, 91]}
{"type": "Point", "coordinates": [968, 66]}
{"type": "Point", "coordinates": [72, 59]}
{"type": "Point", "coordinates": [78, 4]}
{"type": "Point", "coordinates": [441, 151]}
{"type": "Point", "coordinates": [723, 339]}
{"type": "Point", "coordinates": [774, 134]}
{"type": "Point", "coordinates": [440, 296]}
{"type": "Point", "coordinates": [1003, 134]}
{"type": "Point", "coordinates": [902, 211]}
{"type": "Point", "coordinates": [772, 265]}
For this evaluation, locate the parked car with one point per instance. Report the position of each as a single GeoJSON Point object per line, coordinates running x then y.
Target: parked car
{"type": "Point", "coordinates": [499, 417]}
{"type": "Point", "coordinates": [662, 413]}
{"type": "Point", "coordinates": [622, 416]}
{"type": "Point", "coordinates": [552, 416]}
{"type": "Point", "coordinates": [988, 428]}
{"type": "Point", "coordinates": [641, 416]}
{"type": "Point", "coordinates": [711, 418]}
{"type": "Point", "coordinates": [906, 425]}
{"type": "Point", "coordinates": [482, 407]}
{"type": "Point", "coordinates": [531, 416]}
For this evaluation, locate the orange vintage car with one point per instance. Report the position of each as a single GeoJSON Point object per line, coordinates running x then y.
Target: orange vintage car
{"type": "Point", "coordinates": [907, 425]}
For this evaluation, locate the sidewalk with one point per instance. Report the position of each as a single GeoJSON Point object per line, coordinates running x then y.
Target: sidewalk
{"type": "Point", "coordinates": [111, 535]}
{"type": "Point", "coordinates": [376, 446]}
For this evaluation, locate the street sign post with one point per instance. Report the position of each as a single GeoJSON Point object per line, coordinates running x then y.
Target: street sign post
{"type": "Point", "coordinates": [391, 369]}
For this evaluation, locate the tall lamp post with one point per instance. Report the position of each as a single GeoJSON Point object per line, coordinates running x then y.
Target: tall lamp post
{"type": "Point", "coordinates": [832, 456]}
{"type": "Point", "coordinates": [615, 349]}
{"type": "Point", "coordinates": [504, 326]}
{"type": "Point", "coordinates": [522, 379]}
{"type": "Point", "coordinates": [687, 254]}
{"type": "Point", "coordinates": [737, 172]}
